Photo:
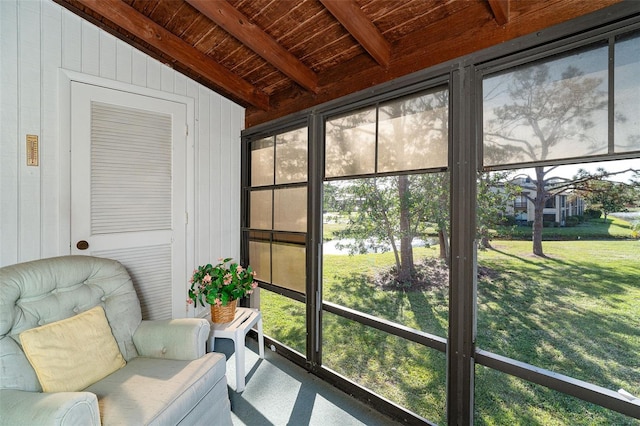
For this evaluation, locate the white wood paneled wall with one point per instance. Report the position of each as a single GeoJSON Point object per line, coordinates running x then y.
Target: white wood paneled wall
{"type": "Point", "coordinates": [37, 38]}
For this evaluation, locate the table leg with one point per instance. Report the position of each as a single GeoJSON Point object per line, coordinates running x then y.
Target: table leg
{"type": "Point", "coordinates": [239, 347]}
{"type": "Point", "coordinates": [260, 339]}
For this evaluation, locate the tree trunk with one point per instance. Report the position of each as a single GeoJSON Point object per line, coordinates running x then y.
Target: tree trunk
{"type": "Point", "coordinates": [397, 257]}
{"type": "Point", "coordinates": [443, 238]}
{"type": "Point", "coordinates": [485, 242]}
{"type": "Point", "coordinates": [407, 269]}
{"type": "Point", "coordinates": [388, 229]}
{"type": "Point", "coordinates": [541, 198]}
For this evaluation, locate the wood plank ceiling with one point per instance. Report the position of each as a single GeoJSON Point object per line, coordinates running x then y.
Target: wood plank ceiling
{"type": "Point", "coordinates": [276, 57]}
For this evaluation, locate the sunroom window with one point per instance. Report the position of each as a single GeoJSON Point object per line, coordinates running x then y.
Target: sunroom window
{"type": "Point", "coordinates": [446, 249]}
{"type": "Point", "coordinates": [381, 248]}
{"type": "Point", "coordinates": [277, 227]}
{"type": "Point", "coordinates": [555, 299]}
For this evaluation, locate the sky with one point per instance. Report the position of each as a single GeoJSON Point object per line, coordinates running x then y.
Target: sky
{"type": "Point", "coordinates": [570, 170]}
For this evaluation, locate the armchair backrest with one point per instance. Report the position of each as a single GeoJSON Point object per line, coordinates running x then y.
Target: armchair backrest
{"type": "Point", "coordinates": [47, 290]}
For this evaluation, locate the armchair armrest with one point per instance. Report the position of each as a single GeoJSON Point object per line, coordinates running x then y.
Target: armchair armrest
{"type": "Point", "coordinates": [183, 338]}
{"type": "Point", "coordinates": [59, 408]}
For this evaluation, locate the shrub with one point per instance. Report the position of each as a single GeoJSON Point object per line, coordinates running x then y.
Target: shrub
{"type": "Point", "coordinates": [592, 214]}
{"type": "Point", "coordinates": [572, 221]}
{"type": "Point", "coordinates": [509, 220]}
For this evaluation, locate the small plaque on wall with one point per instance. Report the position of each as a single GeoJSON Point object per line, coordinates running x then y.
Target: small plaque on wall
{"type": "Point", "coordinates": [32, 150]}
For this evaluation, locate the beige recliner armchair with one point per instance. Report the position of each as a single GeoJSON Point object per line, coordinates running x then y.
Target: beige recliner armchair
{"type": "Point", "coordinates": [157, 371]}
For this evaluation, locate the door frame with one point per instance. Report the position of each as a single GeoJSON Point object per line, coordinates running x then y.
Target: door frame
{"type": "Point", "coordinates": [65, 77]}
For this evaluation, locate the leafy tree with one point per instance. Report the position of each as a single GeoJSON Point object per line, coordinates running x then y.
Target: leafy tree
{"type": "Point", "coordinates": [609, 197]}
{"type": "Point", "coordinates": [393, 211]}
{"type": "Point", "coordinates": [495, 190]}
{"type": "Point", "coordinates": [330, 198]}
{"type": "Point", "coordinates": [606, 195]}
{"type": "Point", "coordinates": [390, 212]}
{"type": "Point", "coordinates": [542, 112]}
{"type": "Point", "coordinates": [411, 132]}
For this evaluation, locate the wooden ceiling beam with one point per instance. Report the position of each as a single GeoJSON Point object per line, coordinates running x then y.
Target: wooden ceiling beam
{"type": "Point", "coordinates": [500, 9]}
{"type": "Point", "coordinates": [349, 14]}
{"type": "Point", "coordinates": [145, 29]}
{"type": "Point", "coordinates": [477, 32]}
{"type": "Point", "coordinates": [249, 34]}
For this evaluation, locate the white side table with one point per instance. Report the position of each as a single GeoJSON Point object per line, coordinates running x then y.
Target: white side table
{"type": "Point", "coordinates": [237, 330]}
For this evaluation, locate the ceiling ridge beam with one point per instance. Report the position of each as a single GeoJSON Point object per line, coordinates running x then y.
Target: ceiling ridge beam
{"type": "Point", "coordinates": [500, 10]}
{"type": "Point", "coordinates": [168, 43]}
{"type": "Point", "coordinates": [349, 14]}
{"type": "Point", "coordinates": [239, 26]}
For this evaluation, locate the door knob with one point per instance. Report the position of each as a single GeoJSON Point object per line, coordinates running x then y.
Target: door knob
{"type": "Point", "coordinates": [82, 245]}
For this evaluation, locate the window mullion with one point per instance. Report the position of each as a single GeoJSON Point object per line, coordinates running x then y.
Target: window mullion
{"type": "Point", "coordinates": [314, 240]}
{"type": "Point", "coordinates": [461, 338]}
{"type": "Point", "coordinates": [611, 97]}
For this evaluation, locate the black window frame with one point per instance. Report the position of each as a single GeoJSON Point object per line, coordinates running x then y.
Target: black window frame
{"type": "Point", "coordinates": [464, 76]}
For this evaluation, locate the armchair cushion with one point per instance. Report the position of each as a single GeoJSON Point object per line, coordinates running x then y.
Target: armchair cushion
{"type": "Point", "coordinates": [173, 389]}
{"type": "Point", "coordinates": [73, 353]}
{"type": "Point", "coordinates": [173, 339]}
{"type": "Point", "coordinates": [48, 409]}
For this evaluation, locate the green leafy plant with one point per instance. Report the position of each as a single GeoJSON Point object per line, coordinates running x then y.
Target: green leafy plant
{"type": "Point", "coordinates": [221, 284]}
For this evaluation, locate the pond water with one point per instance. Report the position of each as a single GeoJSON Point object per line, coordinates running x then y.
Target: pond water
{"type": "Point", "coordinates": [372, 246]}
{"type": "Point", "coordinates": [628, 216]}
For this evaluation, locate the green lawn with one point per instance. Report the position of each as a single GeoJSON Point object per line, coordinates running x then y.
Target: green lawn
{"type": "Point", "coordinates": [575, 312]}
{"type": "Point", "coordinates": [592, 229]}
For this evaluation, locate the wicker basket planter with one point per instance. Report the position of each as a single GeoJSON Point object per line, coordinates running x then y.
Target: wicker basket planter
{"type": "Point", "coordinates": [222, 314]}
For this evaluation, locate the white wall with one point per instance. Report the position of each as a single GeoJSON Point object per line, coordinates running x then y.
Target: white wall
{"type": "Point", "coordinates": [37, 38]}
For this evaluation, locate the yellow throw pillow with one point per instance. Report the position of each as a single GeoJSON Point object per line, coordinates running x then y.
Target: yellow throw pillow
{"type": "Point", "coordinates": [73, 353]}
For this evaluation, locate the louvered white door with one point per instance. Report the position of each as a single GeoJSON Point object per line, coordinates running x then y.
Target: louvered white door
{"type": "Point", "coordinates": [128, 182]}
